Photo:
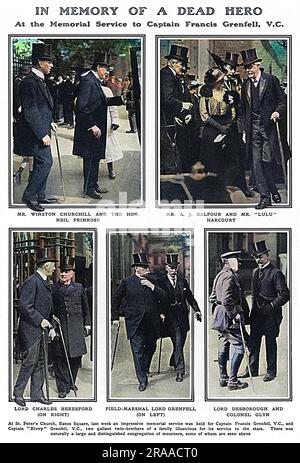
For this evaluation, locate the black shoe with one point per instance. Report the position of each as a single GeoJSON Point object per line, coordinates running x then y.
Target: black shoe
{"type": "Point", "coordinates": [75, 388]}
{"type": "Point", "coordinates": [35, 206]}
{"type": "Point", "coordinates": [142, 387]}
{"type": "Point", "coordinates": [18, 178]}
{"type": "Point", "coordinates": [111, 173]}
{"type": "Point", "coordinates": [62, 395]}
{"type": "Point", "coordinates": [50, 200]}
{"type": "Point", "coordinates": [276, 198]}
{"type": "Point", "coordinates": [263, 203]}
{"type": "Point", "coordinates": [248, 193]}
{"type": "Point", "coordinates": [179, 377]}
{"type": "Point", "coordinates": [130, 131]}
{"type": "Point", "coordinates": [237, 385]}
{"type": "Point", "coordinates": [100, 190]}
{"type": "Point", "coordinates": [20, 401]}
{"type": "Point", "coordinates": [246, 374]}
{"type": "Point", "coordinates": [223, 382]}
{"type": "Point", "coordinates": [43, 401]}
{"type": "Point", "coordinates": [93, 194]}
{"type": "Point", "coordinates": [269, 377]}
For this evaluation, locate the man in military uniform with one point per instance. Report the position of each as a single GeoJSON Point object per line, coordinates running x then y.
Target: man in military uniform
{"type": "Point", "coordinates": [176, 311]}
{"type": "Point", "coordinates": [35, 312]}
{"type": "Point", "coordinates": [228, 302]}
{"type": "Point", "coordinates": [33, 127]}
{"type": "Point", "coordinates": [71, 311]}
{"type": "Point", "coordinates": [270, 293]}
{"type": "Point", "coordinates": [142, 315]}
{"type": "Point", "coordinates": [175, 105]}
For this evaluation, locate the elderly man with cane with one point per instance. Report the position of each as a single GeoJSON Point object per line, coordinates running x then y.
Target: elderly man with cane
{"type": "Point", "coordinates": [228, 302]}
{"type": "Point", "coordinates": [35, 313]}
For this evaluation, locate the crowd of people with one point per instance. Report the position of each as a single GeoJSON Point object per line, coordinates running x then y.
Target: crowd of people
{"type": "Point", "coordinates": [225, 123]}
{"type": "Point", "coordinates": [81, 100]}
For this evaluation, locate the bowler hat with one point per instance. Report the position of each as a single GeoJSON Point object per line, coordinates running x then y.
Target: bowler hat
{"type": "Point", "coordinates": [229, 254]}
{"type": "Point", "coordinates": [194, 84]}
{"type": "Point", "coordinates": [172, 259]}
{"type": "Point", "coordinates": [140, 260]}
{"type": "Point", "coordinates": [259, 248]}
{"type": "Point", "coordinates": [249, 57]}
{"type": "Point", "coordinates": [178, 52]}
{"type": "Point", "coordinates": [41, 51]}
{"type": "Point", "coordinates": [231, 58]}
{"type": "Point", "coordinates": [213, 75]}
{"type": "Point", "coordinates": [43, 260]}
{"type": "Point", "coordinates": [101, 58]}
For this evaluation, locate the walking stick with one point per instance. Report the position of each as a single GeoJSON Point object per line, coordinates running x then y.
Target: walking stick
{"type": "Point", "coordinates": [45, 352]}
{"type": "Point", "coordinates": [66, 354]}
{"type": "Point", "coordinates": [60, 166]}
{"type": "Point", "coordinates": [281, 154]}
{"type": "Point", "coordinates": [115, 348]}
{"type": "Point", "coordinates": [247, 355]}
{"type": "Point", "coordinates": [160, 347]}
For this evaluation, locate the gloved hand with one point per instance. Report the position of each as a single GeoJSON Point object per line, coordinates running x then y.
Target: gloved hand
{"type": "Point", "coordinates": [198, 316]}
{"type": "Point", "coordinates": [188, 118]}
{"type": "Point", "coordinates": [54, 126]}
{"type": "Point", "coordinates": [187, 106]}
{"type": "Point", "coordinates": [162, 317]}
{"type": "Point", "coordinates": [145, 282]}
{"type": "Point", "coordinates": [115, 126]}
{"type": "Point", "coordinates": [178, 121]}
{"type": "Point", "coordinates": [87, 330]}
{"type": "Point", "coordinates": [45, 324]}
{"type": "Point", "coordinates": [52, 334]}
{"type": "Point", "coordinates": [116, 323]}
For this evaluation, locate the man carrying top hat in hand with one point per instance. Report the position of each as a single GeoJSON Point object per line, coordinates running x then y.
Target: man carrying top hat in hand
{"type": "Point", "coordinates": [263, 103]}
{"type": "Point", "coordinates": [35, 312]}
{"type": "Point", "coordinates": [91, 122]}
{"type": "Point", "coordinates": [175, 105]}
{"type": "Point", "coordinates": [142, 317]}
{"type": "Point", "coordinates": [229, 306]}
{"type": "Point", "coordinates": [71, 311]}
{"type": "Point", "coordinates": [176, 311]}
{"type": "Point", "coordinates": [33, 127]}
{"type": "Point", "coordinates": [270, 293]}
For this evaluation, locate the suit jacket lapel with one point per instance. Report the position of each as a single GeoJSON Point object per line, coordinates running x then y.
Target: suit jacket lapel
{"type": "Point", "coordinates": [262, 86]}
{"type": "Point", "coordinates": [248, 91]}
{"type": "Point", "coordinates": [98, 85]}
{"type": "Point", "coordinates": [45, 282]}
{"type": "Point", "coordinates": [42, 84]}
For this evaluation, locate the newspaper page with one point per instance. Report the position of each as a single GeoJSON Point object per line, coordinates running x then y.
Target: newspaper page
{"type": "Point", "coordinates": [149, 225]}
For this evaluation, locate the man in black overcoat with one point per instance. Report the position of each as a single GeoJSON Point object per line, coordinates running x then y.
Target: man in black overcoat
{"type": "Point", "coordinates": [70, 308]}
{"type": "Point", "coordinates": [176, 311]}
{"type": "Point", "coordinates": [33, 127]}
{"type": "Point", "coordinates": [142, 317]}
{"type": "Point", "coordinates": [175, 107]}
{"type": "Point", "coordinates": [35, 312]}
{"type": "Point", "coordinates": [263, 104]}
{"type": "Point", "coordinates": [90, 123]}
{"type": "Point", "coordinates": [270, 293]}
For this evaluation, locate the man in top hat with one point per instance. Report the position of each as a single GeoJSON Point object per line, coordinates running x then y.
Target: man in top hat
{"type": "Point", "coordinates": [91, 122]}
{"type": "Point", "coordinates": [176, 311]}
{"type": "Point", "coordinates": [270, 293]}
{"type": "Point", "coordinates": [175, 107]}
{"type": "Point", "coordinates": [35, 312]}
{"type": "Point", "coordinates": [263, 103]}
{"type": "Point", "coordinates": [71, 311]}
{"type": "Point", "coordinates": [142, 317]}
{"type": "Point", "coordinates": [33, 128]}
{"type": "Point", "coordinates": [229, 310]}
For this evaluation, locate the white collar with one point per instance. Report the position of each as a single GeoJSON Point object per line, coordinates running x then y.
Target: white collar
{"type": "Point", "coordinates": [172, 280]}
{"type": "Point", "coordinates": [38, 73]}
{"type": "Point", "coordinates": [42, 275]}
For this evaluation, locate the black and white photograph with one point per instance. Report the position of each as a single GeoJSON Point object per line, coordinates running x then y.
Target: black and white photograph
{"type": "Point", "coordinates": [224, 121]}
{"type": "Point", "coordinates": [152, 308]}
{"type": "Point", "coordinates": [52, 315]}
{"type": "Point", "coordinates": [248, 347]}
{"type": "Point", "coordinates": [76, 126]}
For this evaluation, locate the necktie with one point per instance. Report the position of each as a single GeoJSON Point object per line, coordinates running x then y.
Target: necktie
{"type": "Point", "coordinates": [173, 282]}
{"type": "Point", "coordinates": [260, 273]}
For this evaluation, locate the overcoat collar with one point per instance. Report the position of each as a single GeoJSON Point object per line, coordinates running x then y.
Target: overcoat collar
{"type": "Point", "coordinates": [45, 282]}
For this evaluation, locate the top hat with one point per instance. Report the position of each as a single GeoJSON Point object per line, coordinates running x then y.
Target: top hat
{"type": "Point", "coordinates": [230, 254]}
{"type": "Point", "coordinates": [213, 75]}
{"type": "Point", "coordinates": [172, 259]}
{"type": "Point", "coordinates": [41, 51]}
{"type": "Point", "coordinates": [68, 263]}
{"type": "Point", "coordinates": [259, 248]}
{"type": "Point", "coordinates": [231, 58]}
{"type": "Point", "coordinates": [140, 260]}
{"type": "Point", "coordinates": [178, 52]}
{"type": "Point", "coordinates": [101, 58]}
{"type": "Point", "coordinates": [43, 260]}
{"type": "Point", "coordinates": [249, 57]}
